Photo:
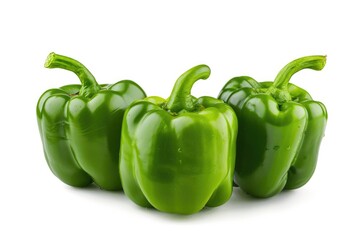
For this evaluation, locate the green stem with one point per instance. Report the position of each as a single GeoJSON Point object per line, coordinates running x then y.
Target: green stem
{"type": "Point", "coordinates": [180, 98]}
{"type": "Point", "coordinates": [88, 82]}
{"type": "Point", "coordinates": [279, 88]}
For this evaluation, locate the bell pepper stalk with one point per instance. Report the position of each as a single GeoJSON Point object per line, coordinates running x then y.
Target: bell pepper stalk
{"type": "Point", "coordinates": [89, 86]}
{"type": "Point", "coordinates": [280, 130]}
{"type": "Point", "coordinates": [80, 126]}
{"type": "Point", "coordinates": [178, 155]}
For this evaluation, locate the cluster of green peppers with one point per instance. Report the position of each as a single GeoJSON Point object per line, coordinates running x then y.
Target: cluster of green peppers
{"type": "Point", "coordinates": [183, 153]}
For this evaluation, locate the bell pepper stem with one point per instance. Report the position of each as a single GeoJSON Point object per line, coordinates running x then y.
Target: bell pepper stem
{"type": "Point", "coordinates": [88, 82]}
{"type": "Point", "coordinates": [279, 89]}
{"type": "Point", "coordinates": [180, 98]}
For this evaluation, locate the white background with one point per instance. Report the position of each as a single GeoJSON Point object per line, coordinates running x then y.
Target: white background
{"type": "Point", "coordinates": [152, 43]}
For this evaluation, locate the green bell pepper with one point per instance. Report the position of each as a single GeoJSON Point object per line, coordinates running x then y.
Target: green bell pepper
{"type": "Point", "coordinates": [178, 155]}
{"type": "Point", "coordinates": [80, 126]}
{"type": "Point", "coordinates": [280, 130]}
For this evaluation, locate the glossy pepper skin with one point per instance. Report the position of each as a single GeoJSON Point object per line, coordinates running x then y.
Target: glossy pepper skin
{"type": "Point", "coordinates": [280, 130]}
{"type": "Point", "coordinates": [80, 126]}
{"type": "Point", "coordinates": [178, 155]}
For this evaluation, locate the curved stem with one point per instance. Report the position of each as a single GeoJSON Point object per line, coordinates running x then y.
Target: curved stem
{"type": "Point", "coordinates": [316, 62]}
{"type": "Point", "coordinates": [88, 82]}
{"type": "Point", "coordinates": [279, 89]}
{"type": "Point", "coordinates": [180, 98]}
